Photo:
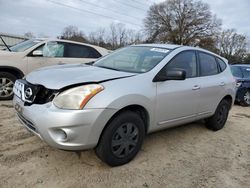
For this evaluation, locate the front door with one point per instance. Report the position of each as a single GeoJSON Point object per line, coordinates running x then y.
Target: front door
{"type": "Point", "coordinates": [52, 53]}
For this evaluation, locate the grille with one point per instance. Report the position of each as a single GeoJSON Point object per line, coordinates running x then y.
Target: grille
{"type": "Point", "coordinates": [44, 95]}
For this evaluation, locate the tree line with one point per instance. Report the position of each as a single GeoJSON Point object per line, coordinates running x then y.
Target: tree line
{"type": "Point", "coordinates": [183, 22]}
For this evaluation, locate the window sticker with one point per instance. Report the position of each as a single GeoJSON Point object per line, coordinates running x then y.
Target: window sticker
{"type": "Point", "coordinates": [161, 50]}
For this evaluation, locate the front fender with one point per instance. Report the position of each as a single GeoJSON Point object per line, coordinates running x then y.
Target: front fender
{"type": "Point", "coordinates": [135, 99]}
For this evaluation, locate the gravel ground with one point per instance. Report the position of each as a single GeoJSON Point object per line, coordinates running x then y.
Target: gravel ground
{"type": "Point", "coordinates": [186, 156]}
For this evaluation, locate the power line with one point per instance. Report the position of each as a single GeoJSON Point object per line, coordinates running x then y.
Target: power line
{"type": "Point", "coordinates": [117, 12]}
{"type": "Point", "coordinates": [126, 4]}
{"type": "Point", "coordinates": [90, 12]}
{"type": "Point", "coordinates": [138, 2]}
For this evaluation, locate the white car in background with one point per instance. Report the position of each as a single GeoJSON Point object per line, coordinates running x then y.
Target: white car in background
{"type": "Point", "coordinates": [32, 54]}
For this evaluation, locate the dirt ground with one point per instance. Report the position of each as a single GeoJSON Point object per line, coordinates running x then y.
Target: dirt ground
{"type": "Point", "coordinates": [186, 156]}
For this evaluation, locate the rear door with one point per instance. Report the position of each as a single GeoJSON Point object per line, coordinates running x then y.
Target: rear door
{"type": "Point", "coordinates": [177, 100]}
{"type": "Point", "coordinates": [211, 82]}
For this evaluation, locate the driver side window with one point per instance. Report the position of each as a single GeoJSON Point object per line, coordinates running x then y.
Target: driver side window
{"type": "Point", "coordinates": [184, 61]}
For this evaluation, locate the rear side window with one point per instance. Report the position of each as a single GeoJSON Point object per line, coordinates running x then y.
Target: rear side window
{"type": "Point", "coordinates": [185, 61]}
{"type": "Point", "coordinates": [81, 51]}
{"type": "Point", "coordinates": [208, 65]}
{"type": "Point", "coordinates": [222, 64]}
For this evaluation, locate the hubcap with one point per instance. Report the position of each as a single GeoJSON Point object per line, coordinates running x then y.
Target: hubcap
{"type": "Point", "coordinates": [124, 140]}
{"type": "Point", "coordinates": [6, 87]}
{"type": "Point", "coordinates": [247, 98]}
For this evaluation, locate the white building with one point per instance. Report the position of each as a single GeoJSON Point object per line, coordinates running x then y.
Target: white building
{"type": "Point", "coordinates": [10, 39]}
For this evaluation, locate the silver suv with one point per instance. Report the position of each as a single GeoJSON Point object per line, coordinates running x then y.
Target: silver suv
{"type": "Point", "coordinates": [112, 104]}
{"type": "Point", "coordinates": [29, 55]}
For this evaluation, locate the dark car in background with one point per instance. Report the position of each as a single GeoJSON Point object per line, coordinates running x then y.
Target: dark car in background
{"type": "Point", "coordinates": [241, 72]}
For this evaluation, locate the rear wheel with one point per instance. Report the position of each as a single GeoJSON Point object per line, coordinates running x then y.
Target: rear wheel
{"type": "Point", "coordinates": [122, 139]}
{"type": "Point", "coordinates": [218, 120]}
{"type": "Point", "coordinates": [7, 81]}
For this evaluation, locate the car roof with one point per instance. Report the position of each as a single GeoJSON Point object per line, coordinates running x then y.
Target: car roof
{"type": "Point", "coordinates": [103, 51]}
{"type": "Point", "coordinates": [173, 47]}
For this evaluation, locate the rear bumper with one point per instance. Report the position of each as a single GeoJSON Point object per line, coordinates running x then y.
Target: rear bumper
{"type": "Point", "coordinates": [64, 129]}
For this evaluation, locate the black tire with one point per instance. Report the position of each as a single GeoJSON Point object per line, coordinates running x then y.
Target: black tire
{"type": "Point", "coordinates": [112, 147]}
{"type": "Point", "coordinates": [218, 120]}
{"type": "Point", "coordinates": [245, 101]}
{"type": "Point", "coordinates": [7, 81]}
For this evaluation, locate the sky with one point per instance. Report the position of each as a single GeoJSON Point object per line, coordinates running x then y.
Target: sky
{"type": "Point", "coordinates": [49, 17]}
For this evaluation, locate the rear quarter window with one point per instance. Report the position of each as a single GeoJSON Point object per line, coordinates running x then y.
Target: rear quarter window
{"type": "Point", "coordinates": [222, 64]}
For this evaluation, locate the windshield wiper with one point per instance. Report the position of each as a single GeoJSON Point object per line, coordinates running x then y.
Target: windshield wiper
{"type": "Point", "coordinates": [108, 68]}
{"type": "Point", "coordinates": [5, 43]}
{"type": "Point", "coordinates": [89, 63]}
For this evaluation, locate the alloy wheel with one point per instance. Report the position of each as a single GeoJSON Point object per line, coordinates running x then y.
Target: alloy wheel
{"type": "Point", "coordinates": [247, 97]}
{"type": "Point", "coordinates": [6, 87]}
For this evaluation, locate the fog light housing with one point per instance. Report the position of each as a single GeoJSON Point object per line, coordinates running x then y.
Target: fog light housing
{"type": "Point", "coordinates": [60, 135]}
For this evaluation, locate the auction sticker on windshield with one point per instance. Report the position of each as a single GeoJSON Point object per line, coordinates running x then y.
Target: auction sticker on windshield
{"type": "Point", "coordinates": [161, 50]}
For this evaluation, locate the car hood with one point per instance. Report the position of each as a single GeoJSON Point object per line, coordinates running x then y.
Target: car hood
{"type": "Point", "coordinates": [5, 54]}
{"type": "Point", "coordinates": [60, 76]}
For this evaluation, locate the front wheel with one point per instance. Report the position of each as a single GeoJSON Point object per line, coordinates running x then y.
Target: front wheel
{"type": "Point", "coordinates": [122, 139]}
{"type": "Point", "coordinates": [246, 98]}
{"type": "Point", "coordinates": [7, 81]}
{"type": "Point", "coordinates": [218, 120]}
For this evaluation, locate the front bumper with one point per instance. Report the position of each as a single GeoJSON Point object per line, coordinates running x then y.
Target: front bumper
{"type": "Point", "coordinates": [64, 129]}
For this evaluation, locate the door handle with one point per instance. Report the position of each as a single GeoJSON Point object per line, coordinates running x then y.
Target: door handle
{"type": "Point", "coordinates": [196, 87]}
{"type": "Point", "coordinates": [222, 83]}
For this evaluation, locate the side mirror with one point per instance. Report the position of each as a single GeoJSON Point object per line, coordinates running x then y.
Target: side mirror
{"type": "Point", "coordinates": [170, 75]}
{"type": "Point", "coordinates": [37, 53]}
{"type": "Point", "coordinates": [176, 75]}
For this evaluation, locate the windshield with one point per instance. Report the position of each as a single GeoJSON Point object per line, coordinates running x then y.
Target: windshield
{"type": "Point", "coordinates": [21, 47]}
{"type": "Point", "coordinates": [137, 59]}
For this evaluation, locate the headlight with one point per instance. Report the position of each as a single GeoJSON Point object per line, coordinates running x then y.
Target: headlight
{"type": "Point", "coordinates": [76, 98]}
